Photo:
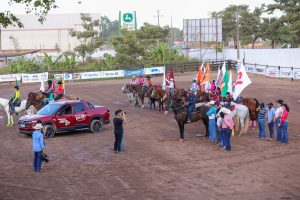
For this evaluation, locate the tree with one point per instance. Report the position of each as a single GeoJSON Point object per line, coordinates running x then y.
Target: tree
{"type": "Point", "coordinates": [290, 19]}
{"type": "Point", "coordinates": [109, 28]}
{"type": "Point", "coordinates": [89, 38]}
{"type": "Point", "coordinates": [15, 42]}
{"type": "Point", "coordinates": [38, 7]}
{"type": "Point", "coordinates": [175, 34]}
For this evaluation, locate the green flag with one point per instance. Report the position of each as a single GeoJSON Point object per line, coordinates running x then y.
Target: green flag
{"type": "Point", "coordinates": [225, 87]}
{"type": "Point", "coordinates": [17, 82]}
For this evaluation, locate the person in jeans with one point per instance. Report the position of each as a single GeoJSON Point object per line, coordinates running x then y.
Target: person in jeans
{"type": "Point", "coordinates": [261, 117]}
{"type": "Point", "coordinates": [284, 123]}
{"type": "Point", "coordinates": [119, 120]}
{"type": "Point", "coordinates": [277, 119]}
{"type": "Point", "coordinates": [227, 126]}
{"type": "Point", "coordinates": [38, 146]}
{"type": "Point", "coordinates": [211, 113]}
{"type": "Point", "coordinates": [271, 115]}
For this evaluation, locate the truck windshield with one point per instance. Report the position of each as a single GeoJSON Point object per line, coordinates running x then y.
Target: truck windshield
{"type": "Point", "coordinates": [49, 109]}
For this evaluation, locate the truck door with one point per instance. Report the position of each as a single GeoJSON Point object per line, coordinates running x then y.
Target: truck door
{"type": "Point", "coordinates": [82, 118]}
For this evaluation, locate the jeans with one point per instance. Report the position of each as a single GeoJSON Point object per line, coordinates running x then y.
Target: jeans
{"type": "Point", "coordinates": [37, 161]}
{"type": "Point", "coordinates": [271, 129]}
{"type": "Point", "coordinates": [262, 128]}
{"type": "Point", "coordinates": [284, 131]}
{"type": "Point", "coordinates": [12, 107]}
{"type": "Point", "coordinates": [190, 110]}
{"type": "Point", "coordinates": [227, 133]}
{"type": "Point", "coordinates": [212, 130]}
{"type": "Point", "coordinates": [278, 128]}
{"type": "Point", "coordinates": [172, 91]}
{"type": "Point", "coordinates": [122, 142]}
{"type": "Point", "coordinates": [221, 137]}
{"type": "Point", "coordinates": [117, 144]}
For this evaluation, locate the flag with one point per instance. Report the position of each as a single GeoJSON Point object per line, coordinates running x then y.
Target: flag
{"type": "Point", "coordinates": [220, 76]}
{"type": "Point", "coordinates": [199, 77]}
{"type": "Point", "coordinates": [230, 83]}
{"type": "Point", "coordinates": [42, 87]}
{"type": "Point", "coordinates": [224, 89]}
{"type": "Point", "coordinates": [17, 82]}
{"type": "Point", "coordinates": [206, 74]}
{"type": "Point", "coordinates": [241, 83]}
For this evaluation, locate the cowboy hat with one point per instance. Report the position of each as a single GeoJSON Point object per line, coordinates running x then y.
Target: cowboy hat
{"type": "Point", "coordinates": [172, 79]}
{"type": "Point", "coordinates": [280, 101]}
{"type": "Point", "coordinates": [38, 126]}
{"type": "Point", "coordinates": [211, 102]}
{"type": "Point", "coordinates": [59, 83]}
{"type": "Point", "coordinates": [225, 111]}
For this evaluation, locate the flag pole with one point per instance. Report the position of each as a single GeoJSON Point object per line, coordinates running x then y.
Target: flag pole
{"type": "Point", "coordinates": [164, 78]}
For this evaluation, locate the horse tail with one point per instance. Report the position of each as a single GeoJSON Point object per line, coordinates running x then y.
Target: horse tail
{"type": "Point", "coordinates": [237, 124]}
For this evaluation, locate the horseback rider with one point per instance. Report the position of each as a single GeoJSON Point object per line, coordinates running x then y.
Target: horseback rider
{"type": "Point", "coordinates": [141, 80]}
{"type": "Point", "coordinates": [171, 85]}
{"type": "Point", "coordinates": [194, 87]}
{"type": "Point", "coordinates": [59, 92]}
{"type": "Point", "coordinates": [49, 91]}
{"type": "Point", "coordinates": [133, 81]}
{"type": "Point", "coordinates": [191, 101]}
{"type": "Point", "coordinates": [15, 99]}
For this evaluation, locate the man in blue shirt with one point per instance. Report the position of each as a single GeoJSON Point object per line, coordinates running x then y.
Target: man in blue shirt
{"type": "Point", "coordinates": [37, 146]}
{"type": "Point", "coordinates": [271, 115]}
{"type": "Point", "coordinates": [211, 113]}
{"type": "Point", "coordinates": [191, 104]}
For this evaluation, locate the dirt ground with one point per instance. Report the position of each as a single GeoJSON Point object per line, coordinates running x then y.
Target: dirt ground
{"type": "Point", "coordinates": [154, 165]}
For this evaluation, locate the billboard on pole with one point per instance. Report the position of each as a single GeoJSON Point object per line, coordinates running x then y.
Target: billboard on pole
{"type": "Point", "coordinates": [128, 20]}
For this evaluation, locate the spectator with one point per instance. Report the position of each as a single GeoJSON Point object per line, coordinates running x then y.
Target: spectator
{"type": "Point", "coordinates": [277, 118]}
{"type": "Point", "coordinates": [211, 113]}
{"type": "Point", "coordinates": [227, 126]}
{"type": "Point", "coordinates": [38, 146]}
{"type": "Point", "coordinates": [284, 123]}
{"type": "Point", "coordinates": [119, 120]}
{"type": "Point", "coordinates": [261, 120]}
{"type": "Point", "coordinates": [271, 114]}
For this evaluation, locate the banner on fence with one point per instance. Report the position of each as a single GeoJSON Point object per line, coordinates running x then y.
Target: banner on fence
{"type": "Point", "coordinates": [34, 78]}
{"type": "Point", "coordinates": [296, 73]}
{"type": "Point", "coordinates": [260, 70]}
{"type": "Point", "coordinates": [154, 70]}
{"type": "Point", "coordinates": [10, 77]}
{"type": "Point", "coordinates": [272, 72]}
{"type": "Point", "coordinates": [58, 77]}
{"type": "Point", "coordinates": [112, 74]}
{"type": "Point", "coordinates": [138, 72]}
{"type": "Point", "coordinates": [286, 73]}
{"type": "Point", "coordinates": [250, 69]}
{"type": "Point", "coordinates": [76, 76]}
{"type": "Point", "coordinates": [90, 75]}
{"type": "Point", "coordinates": [68, 77]}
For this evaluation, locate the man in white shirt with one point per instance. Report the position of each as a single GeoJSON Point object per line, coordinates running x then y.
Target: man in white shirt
{"type": "Point", "coordinates": [277, 118]}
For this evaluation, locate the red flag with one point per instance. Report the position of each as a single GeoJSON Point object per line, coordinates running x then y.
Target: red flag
{"type": "Point", "coordinates": [199, 77]}
{"type": "Point", "coordinates": [53, 85]}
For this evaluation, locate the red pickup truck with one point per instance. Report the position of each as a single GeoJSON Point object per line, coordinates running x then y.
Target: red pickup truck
{"type": "Point", "coordinates": [66, 116]}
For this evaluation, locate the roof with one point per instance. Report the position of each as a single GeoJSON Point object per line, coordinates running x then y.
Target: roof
{"type": "Point", "coordinates": [53, 21]}
{"type": "Point", "coordinates": [62, 102]}
{"type": "Point", "coordinates": [13, 53]}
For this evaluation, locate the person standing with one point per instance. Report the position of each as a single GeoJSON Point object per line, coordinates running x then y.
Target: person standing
{"type": "Point", "coordinates": [219, 123]}
{"type": "Point", "coordinates": [277, 118]}
{"type": "Point", "coordinates": [38, 146]}
{"type": "Point", "coordinates": [227, 126]}
{"type": "Point", "coordinates": [211, 113]}
{"type": "Point", "coordinates": [119, 120]}
{"type": "Point", "coordinates": [284, 123]}
{"type": "Point", "coordinates": [261, 117]}
{"type": "Point", "coordinates": [271, 114]}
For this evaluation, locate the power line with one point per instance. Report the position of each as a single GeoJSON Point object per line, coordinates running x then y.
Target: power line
{"type": "Point", "coordinates": [158, 17]}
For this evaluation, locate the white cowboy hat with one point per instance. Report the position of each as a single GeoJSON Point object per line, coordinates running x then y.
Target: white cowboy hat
{"type": "Point", "coordinates": [226, 111]}
{"type": "Point", "coordinates": [38, 126]}
{"type": "Point", "coordinates": [172, 79]}
{"type": "Point", "coordinates": [211, 102]}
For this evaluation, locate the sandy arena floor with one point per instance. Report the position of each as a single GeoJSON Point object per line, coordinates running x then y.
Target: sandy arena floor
{"type": "Point", "coordinates": [154, 166]}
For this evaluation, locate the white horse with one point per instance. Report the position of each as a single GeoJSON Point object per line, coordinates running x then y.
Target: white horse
{"type": "Point", "coordinates": [241, 118]}
{"type": "Point", "coordinates": [131, 97]}
{"type": "Point", "coordinates": [5, 104]}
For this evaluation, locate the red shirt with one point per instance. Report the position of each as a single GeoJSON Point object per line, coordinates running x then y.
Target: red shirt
{"type": "Point", "coordinates": [60, 90]}
{"type": "Point", "coordinates": [284, 117]}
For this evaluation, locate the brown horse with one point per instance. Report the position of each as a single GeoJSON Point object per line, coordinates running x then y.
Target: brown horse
{"type": "Point", "coordinates": [252, 105]}
{"type": "Point", "coordinates": [202, 97]}
{"type": "Point", "coordinates": [181, 115]}
{"type": "Point", "coordinates": [158, 94]}
{"type": "Point", "coordinates": [141, 91]}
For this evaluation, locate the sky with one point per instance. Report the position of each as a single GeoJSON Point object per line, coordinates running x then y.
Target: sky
{"type": "Point", "coordinates": [146, 9]}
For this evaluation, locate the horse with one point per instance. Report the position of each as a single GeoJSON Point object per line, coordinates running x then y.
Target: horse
{"type": "Point", "coordinates": [141, 91]}
{"type": "Point", "coordinates": [241, 118]}
{"type": "Point", "coordinates": [252, 105]}
{"type": "Point", "coordinates": [159, 95]}
{"type": "Point", "coordinates": [151, 99]}
{"type": "Point", "coordinates": [5, 104]}
{"type": "Point", "coordinates": [202, 97]}
{"type": "Point", "coordinates": [127, 89]}
{"type": "Point", "coordinates": [181, 115]}
{"type": "Point", "coordinates": [36, 99]}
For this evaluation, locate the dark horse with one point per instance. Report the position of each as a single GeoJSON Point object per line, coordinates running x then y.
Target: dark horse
{"type": "Point", "coordinates": [252, 105]}
{"type": "Point", "coordinates": [181, 115]}
{"type": "Point", "coordinates": [158, 95]}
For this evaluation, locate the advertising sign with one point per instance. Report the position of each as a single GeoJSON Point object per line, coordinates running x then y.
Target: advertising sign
{"type": "Point", "coordinates": [296, 74]}
{"type": "Point", "coordinates": [10, 77]}
{"type": "Point", "coordinates": [68, 77]}
{"type": "Point", "coordinates": [112, 74]}
{"type": "Point", "coordinates": [76, 76]}
{"type": "Point", "coordinates": [260, 70]}
{"type": "Point", "coordinates": [286, 72]}
{"type": "Point", "coordinates": [128, 20]}
{"type": "Point", "coordinates": [272, 72]}
{"type": "Point", "coordinates": [90, 75]}
{"type": "Point", "coordinates": [58, 77]}
{"type": "Point", "coordinates": [34, 78]}
{"type": "Point", "coordinates": [154, 70]}
{"type": "Point", "coordinates": [250, 69]}
{"type": "Point", "coordinates": [137, 72]}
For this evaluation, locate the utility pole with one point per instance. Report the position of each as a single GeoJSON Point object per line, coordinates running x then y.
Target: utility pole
{"type": "Point", "coordinates": [158, 16]}
{"type": "Point", "coordinates": [238, 33]}
{"type": "Point", "coordinates": [172, 39]}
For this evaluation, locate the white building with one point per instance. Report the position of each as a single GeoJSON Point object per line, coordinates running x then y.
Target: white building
{"type": "Point", "coordinates": [52, 34]}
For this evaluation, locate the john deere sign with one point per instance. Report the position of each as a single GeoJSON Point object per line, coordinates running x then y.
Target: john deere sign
{"type": "Point", "coordinates": [128, 20]}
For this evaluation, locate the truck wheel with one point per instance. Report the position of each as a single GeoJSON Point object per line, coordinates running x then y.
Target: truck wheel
{"type": "Point", "coordinates": [96, 125]}
{"type": "Point", "coordinates": [49, 131]}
